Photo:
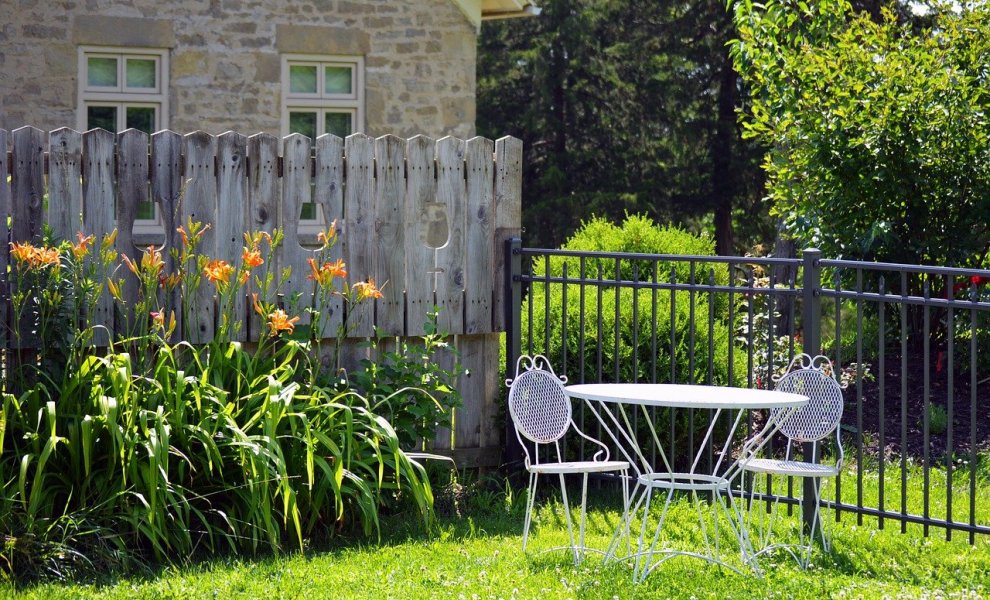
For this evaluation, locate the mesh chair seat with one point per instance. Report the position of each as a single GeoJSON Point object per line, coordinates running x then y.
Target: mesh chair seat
{"type": "Point", "coordinates": [793, 468]}
{"type": "Point", "coordinates": [585, 466]}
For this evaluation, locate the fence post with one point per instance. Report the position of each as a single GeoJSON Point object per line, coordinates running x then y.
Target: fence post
{"type": "Point", "coordinates": [513, 334]}
{"type": "Point", "coordinates": [812, 333]}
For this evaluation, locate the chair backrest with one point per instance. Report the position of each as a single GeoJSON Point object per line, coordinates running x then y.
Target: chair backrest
{"type": "Point", "coordinates": [538, 405]}
{"type": "Point", "coordinates": [814, 378]}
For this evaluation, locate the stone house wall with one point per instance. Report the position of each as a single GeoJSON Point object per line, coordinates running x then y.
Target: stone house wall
{"type": "Point", "coordinates": [225, 58]}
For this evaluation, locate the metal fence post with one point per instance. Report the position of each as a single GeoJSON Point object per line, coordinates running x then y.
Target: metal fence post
{"type": "Point", "coordinates": [812, 333]}
{"type": "Point", "coordinates": [513, 335]}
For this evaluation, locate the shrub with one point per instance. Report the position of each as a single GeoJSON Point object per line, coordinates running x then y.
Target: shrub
{"type": "Point", "coordinates": [686, 344]}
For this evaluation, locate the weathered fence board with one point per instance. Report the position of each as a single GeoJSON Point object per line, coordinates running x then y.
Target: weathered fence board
{"type": "Point", "coordinates": [28, 187]}
{"type": "Point", "coordinates": [64, 181]}
{"type": "Point", "coordinates": [448, 222]}
{"type": "Point", "coordinates": [388, 209]}
{"type": "Point", "coordinates": [421, 191]}
{"type": "Point", "coordinates": [329, 197]}
{"type": "Point", "coordinates": [359, 226]}
{"type": "Point", "coordinates": [479, 269]}
{"type": "Point", "coordinates": [132, 188]}
{"type": "Point", "coordinates": [198, 205]}
{"type": "Point", "coordinates": [264, 200]}
{"type": "Point", "coordinates": [99, 196]}
{"type": "Point", "coordinates": [166, 192]}
{"type": "Point", "coordinates": [295, 192]}
{"type": "Point", "coordinates": [422, 218]}
{"type": "Point", "coordinates": [232, 207]}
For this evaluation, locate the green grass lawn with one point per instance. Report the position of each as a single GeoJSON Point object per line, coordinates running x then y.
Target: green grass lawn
{"type": "Point", "coordinates": [477, 555]}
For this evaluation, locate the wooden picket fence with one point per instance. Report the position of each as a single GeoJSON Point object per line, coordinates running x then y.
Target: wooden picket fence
{"type": "Point", "coordinates": [425, 218]}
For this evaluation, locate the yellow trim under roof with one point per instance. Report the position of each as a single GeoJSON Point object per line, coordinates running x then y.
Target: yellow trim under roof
{"type": "Point", "coordinates": [483, 10]}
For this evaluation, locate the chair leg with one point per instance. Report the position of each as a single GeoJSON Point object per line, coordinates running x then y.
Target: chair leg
{"type": "Point", "coordinates": [623, 529]}
{"type": "Point", "coordinates": [567, 515]}
{"type": "Point", "coordinates": [529, 507]}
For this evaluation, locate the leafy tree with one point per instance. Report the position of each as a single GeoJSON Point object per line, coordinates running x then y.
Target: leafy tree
{"type": "Point", "coordinates": [878, 132]}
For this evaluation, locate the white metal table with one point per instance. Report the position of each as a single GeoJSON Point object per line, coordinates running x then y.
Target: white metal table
{"type": "Point", "coordinates": [617, 407]}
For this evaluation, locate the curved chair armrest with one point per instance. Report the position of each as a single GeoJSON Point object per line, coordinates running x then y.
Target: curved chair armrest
{"type": "Point", "coordinates": [598, 454]}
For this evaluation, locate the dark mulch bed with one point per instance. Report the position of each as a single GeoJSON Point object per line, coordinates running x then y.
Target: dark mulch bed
{"type": "Point", "coordinates": [913, 404]}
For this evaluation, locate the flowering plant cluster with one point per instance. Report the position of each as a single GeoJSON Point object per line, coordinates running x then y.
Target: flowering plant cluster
{"type": "Point", "coordinates": [120, 437]}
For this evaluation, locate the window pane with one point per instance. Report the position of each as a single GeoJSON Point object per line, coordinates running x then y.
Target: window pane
{"type": "Point", "coordinates": [303, 122]}
{"type": "Point", "coordinates": [141, 117]}
{"type": "Point", "coordinates": [140, 73]}
{"type": "Point", "coordinates": [145, 210]}
{"type": "Point", "coordinates": [337, 80]}
{"type": "Point", "coordinates": [302, 79]}
{"type": "Point", "coordinates": [308, 211]}
{"type": "Point", "coordinates": [101, 116]}
{"type": "Point", "coordinates": [102, 71]}
{"type": "Point", "coordinates": [339, 123]}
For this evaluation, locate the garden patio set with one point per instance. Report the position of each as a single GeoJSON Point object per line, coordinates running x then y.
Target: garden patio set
{"type": "Point", "coordinates": [805, 407]}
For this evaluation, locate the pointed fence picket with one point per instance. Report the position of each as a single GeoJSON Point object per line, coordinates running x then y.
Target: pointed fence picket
{"type": "Point", "coordinates": [425, 219]}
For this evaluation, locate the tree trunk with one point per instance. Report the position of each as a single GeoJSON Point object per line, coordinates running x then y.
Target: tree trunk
{"type": "Point", "coordinates": [723, 182]}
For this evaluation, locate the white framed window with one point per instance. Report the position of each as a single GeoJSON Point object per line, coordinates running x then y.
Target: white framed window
{"type": "Point", "coordinates": [321, 94]}
{"type": "Point", "coordinates": [125, 88]}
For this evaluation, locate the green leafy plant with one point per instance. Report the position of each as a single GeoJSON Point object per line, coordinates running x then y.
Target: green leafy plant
{"type": "Point", "coordinates": [410, 384]}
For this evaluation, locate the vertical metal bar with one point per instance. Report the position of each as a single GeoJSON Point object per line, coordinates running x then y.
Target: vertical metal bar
{"type": "Point", "coordinates": [581, 297]}
{"type": "Point", "coordinates": [673, 324]}
{"type": "Point", "coordinates": [859, 399]}
{"type": "Point", "coordinates": [792, 284]}
{"type": "Point", "coordinates": [563, 320]}
{"type": "Point", "coordinates": [691, 301]}
{"type": "Point", "coordinates": [711, 356]}
{"type": "Point", "coordinates": [950, 327]}
{"type": "Point", "coordinates": [563, 348]}
{"type": "Point", "coordinates": [513, 333]}
{"type": "Point", "coordinates": [926, 342]}
{"type": "Point", "coordinates": [972, 415]}
{"type": "Point", "coordinates": [711, 327]}
{"type": "Point", "coordinates": [635, 334]}
{"type": "Point", "coordinates": [750, 319]}
{"type": "Point", "coordinates": [600, 330]}
{"type": "Point", "coordinates": [732, 331]}
{"type": "Point", "coordinates": [882, 381]}
{"type": "Point", "coordinates": [547, 329]}
{"type": "Point", "coordinates": [529, 312]}
{"type": "Point", "coordinates": [692, 267]}
{"type": "Point", "coordinates": [635, 326]}
{"type": "Point", "coordinates": [615, 323]}
{"type": "Point", "coordinates": [653, 348]}
{"type": "Point", "coordinates": [904, 382]}
{"type": "Point", "coordinates": [837, 284]}
{"type": "Point", "coordinates": [813, 346]}
{"type": "Point", "coordinates": [653, 325]}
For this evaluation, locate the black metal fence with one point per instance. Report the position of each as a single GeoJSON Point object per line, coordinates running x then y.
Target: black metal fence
{"type": "Point", "coordinates": [913, 343]}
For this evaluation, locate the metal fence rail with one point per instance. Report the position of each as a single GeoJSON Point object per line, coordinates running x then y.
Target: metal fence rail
{"type": "Point", "coordinates": [907, 337]}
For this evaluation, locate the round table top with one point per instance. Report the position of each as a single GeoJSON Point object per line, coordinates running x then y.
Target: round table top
{"type": "Point", "coordinates": [684, 396]}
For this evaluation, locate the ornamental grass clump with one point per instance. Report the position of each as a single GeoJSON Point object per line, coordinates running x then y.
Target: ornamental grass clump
{"type": "Point", "coordinates": [140, 446]}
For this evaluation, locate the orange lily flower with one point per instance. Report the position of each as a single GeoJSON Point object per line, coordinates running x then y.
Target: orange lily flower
{"type": "Point", "coordinates": [219, 272]}
{"type": "Point", "coordinates": [367, 289]}
{"type": "Point", "coordinates": [81, 249]}
{"type": "Point", "coordinates": [278, 321]}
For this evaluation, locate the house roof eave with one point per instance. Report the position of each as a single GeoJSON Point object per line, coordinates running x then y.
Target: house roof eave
{"type": "Point", "coordinates": [485, 10]}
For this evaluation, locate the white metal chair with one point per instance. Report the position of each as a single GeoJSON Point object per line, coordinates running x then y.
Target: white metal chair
{"type": "Point", "coordinates": [812, 423]}
{"type": "Point", "coordinates": [542, 414]}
